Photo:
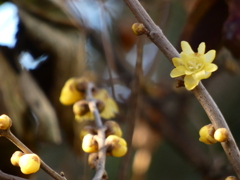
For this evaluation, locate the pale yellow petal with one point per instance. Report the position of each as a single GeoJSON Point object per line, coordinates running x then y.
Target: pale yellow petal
{"type": "Point", "coordinates": [209, 56]}
{"type": "Point", "coordinates": [184, 57]}
{"type": "Point", "coordinates": [207, 75]}
{"type": "Point", "coordinates": [210, 67]}
{"type": "Point", "coordinates": [176, 62]}
{"type": "Point", "coordinates": [186, 48]}
{"type": "Point", "coordinates": [190, 83]}
{"type": "Point", "coordinates": [178, 71]}
{"type": "Point", "coordinates": [199, 75]}
{"type": "Point", "coordinates": [201, 48]}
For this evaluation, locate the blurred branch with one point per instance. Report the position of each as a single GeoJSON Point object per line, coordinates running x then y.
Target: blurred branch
{"type": "Point", "coordinates": [107, 46]}
{"type": "Point", "coordinates": [100, 168]}
{"type": "Point", "coordinates": [200, 92]}
{"type": "Point", "coordinates": [133, 110]}
{"type": "Point", "coordinates": [4, 176]}
{"type": "Point", "coordinates": [8, 134]}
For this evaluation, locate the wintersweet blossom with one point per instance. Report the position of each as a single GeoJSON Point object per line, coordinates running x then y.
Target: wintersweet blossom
{"type": "Point", "coordinates": [195, 66]}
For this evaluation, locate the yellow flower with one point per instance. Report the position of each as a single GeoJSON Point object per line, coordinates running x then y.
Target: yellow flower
{"type": "Point", "coordinates": [109, 110]}
{"type": "Point", "coordinates": [195, 66]}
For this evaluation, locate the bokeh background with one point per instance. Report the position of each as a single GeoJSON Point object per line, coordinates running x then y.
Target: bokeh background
{"type": "Point", "coordinates": [44, 43]}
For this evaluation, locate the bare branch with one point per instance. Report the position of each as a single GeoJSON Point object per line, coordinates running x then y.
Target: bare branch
{"type": "Point", "coordinates": [200, 92]}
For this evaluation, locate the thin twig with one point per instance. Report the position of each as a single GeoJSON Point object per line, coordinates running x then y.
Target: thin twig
{"type": "Point", "coordinates": [100, 169]}
{"type": "Point", "coordinates": [200, 92]}
{"type": "Point", "coordinates": [133, 111]}
{"type": "Point", "coordinates": [8, 134]}
{"type": "Point", "coordinates": [107, 45]}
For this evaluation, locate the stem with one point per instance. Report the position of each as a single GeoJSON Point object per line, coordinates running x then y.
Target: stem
{"type": "Point", "coordinates": [200, 92]}
{"type": "Point", "coordinates": [107, 46]}
{"type": "Point", "coordinates": [100, 169]}
{"type": "Point", "coordinates": [8, 134]}
{"type": "Point", "coordinates": [133, 111]}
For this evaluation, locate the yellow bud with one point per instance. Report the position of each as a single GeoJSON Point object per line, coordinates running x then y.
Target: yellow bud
{"type": "Point", "coordinates": [72, 91]}
{"type": "Point", "coordinates": [116, 146]}
{"type": "Point", "coordinates": [231, 178]}
{"type": "Point", "coordinates": [5, 122]}
{"type": "Point", "coordinates": [15, 157]}
{"type": "Point", "coordinates": [139, 29]}
{"type": "Point", "coordinates": [80, 108]}
{"type": "Point", "coordinates": [221, 134]}
{"type": "Point", "coordinates": [89, 144]}
{"type": "Point", "coordinates": [113, 129]}
{"type": "Point", "coordinates": [86, 130]}
{"type": "Point", "coordinates": [206, 134]}
{"type": "Point", "coordinates": [29, 163]}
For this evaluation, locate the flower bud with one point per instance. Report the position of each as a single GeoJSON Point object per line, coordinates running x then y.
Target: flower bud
{"type": "Point", "coordinates": [29, 163]}
{"type": "Point", "coordinates": [231, 178]}
{"type": "Point", "coordinates": [15, 158]}
{"type": "Point", "coordinates": [89, 144]}
{"type": "Point", "coordinates": [70, 92]}
{"type": "Point", "coordinates": [80, 108]}
{"type": "Point", "coordinates": [221, 134]}
{"type": "Point", "coordinates": [86, 130]}
{"type": "Point", "coordinates": [5, 122]}
{"type": "Point", "coordinates": [139, 29]}
{"type": "Point", "coordinates": [92, 160]}
{"type": "Point", "coordinates": [206, 134]}
{"type": "Point", "coordinates": [113, 129]}
{"type": "Point", "coordinates": [116, 146]}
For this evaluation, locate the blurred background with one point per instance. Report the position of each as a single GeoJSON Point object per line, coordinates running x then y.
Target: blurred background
{"type": "Point", "coordinates": [44, 43]}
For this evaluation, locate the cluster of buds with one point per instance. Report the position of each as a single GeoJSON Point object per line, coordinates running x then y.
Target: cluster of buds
{"type": "Point", "coordinates": [209, 135]}
{"type": "Point", "coordinates": [74, 93]}
{"type": "Point", "coordinates": [28, 163]}
{"type": "Point", "coordinates": [116, 145]}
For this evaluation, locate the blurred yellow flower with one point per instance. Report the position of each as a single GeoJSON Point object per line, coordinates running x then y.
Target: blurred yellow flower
{"type": "Point", "coordinates": [70, 92]}
{"type": "Point", "coordinates": [195, 66]}
{"type": "Point", "coordinates": [109, 110]}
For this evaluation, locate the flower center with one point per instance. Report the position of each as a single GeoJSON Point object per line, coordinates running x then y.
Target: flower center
{"type": "Point", "coordinates": [194, 64]}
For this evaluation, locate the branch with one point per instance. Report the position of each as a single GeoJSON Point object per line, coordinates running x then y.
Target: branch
{"type": "Point", "coordinates": [4, 176]}
{"type": "Point", "coordinates": [208, 104]}
{"type": "Point", "coordinates": [100, 168]}
{"type": "Point", "coordinates": [8, 134]}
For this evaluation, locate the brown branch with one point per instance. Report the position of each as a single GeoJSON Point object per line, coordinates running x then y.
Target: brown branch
{"type": "Point", "coordinates": [107, 46]}
{"type": "Point", "coordinates": [4, 176]}
{"type": "Point", "coordinates": [200, 92]}
{"type": "Point", "coordinates": [100, 168]}
{"type": "Point", "coordinates": [8, 134]}
{"type": "Point", "coordinates": [133, 111]}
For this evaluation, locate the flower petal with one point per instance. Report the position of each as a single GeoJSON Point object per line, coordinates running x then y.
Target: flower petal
{"type": "Point", "coordinates": [186, 48]}
{"type": "Point", "coordinates": [207, 75]}
{"type": "Point", "coordinates": [210, 55]}
{"type": "Point", "coordinates": [177, 62]}
{"type": "Point", "coordinates": [184, 57]}
{"type": "Point", "coordinates": [199, 75]}
{"type": "Point", "coordinates": [201, 48]}
{"type": "Point", "coordinates": [178, 71]}
{"type": "Point", "coordinates": [190, 83]}
{"type": "Point", "coordinates": [210, 67]}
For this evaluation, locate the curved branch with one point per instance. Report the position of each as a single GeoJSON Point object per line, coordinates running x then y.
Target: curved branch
{"type": "Point", "coordinates": [200, 92]}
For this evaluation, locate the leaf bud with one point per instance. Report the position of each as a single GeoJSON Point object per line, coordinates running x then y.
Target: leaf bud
{"type": "Point", "coordinates": [113, 129]}
{"type": "Point", "coordinates": [5, 122]}
{"type": "Point", "coordinates": [206, 134]}
{"type": "Point", "coordinates": [116, 146]}
{"type": "Point", "coordinates": [89, 144]}
{"type": "Point", "coordinates": [221, 134]}
{"type": "Point", "coordinates": [139, 29]}
{"type": "Point", "coordinates": [15, 158]}
{"type": "Point", "coordinates": [29, 163]}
